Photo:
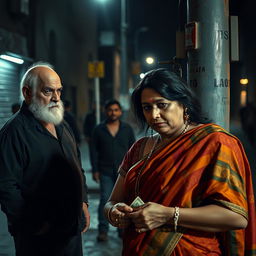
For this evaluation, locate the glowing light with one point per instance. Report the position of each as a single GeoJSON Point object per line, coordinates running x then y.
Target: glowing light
{"type": "Point", "coordinates": [142, 75]}
{"type": "Point", "coordinates": [243, 98]}
{"type": "Point", "coordinates": [12, 59]}
{"type": "Point", "coordinates": [244, 81]}
{"type": "Point", "coordinates": [150, 60]}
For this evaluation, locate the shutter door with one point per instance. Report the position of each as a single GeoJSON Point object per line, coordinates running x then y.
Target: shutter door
{"type": "Point", "coordinates": [9, 88]}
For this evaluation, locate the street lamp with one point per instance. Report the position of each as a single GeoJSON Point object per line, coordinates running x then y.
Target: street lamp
{"type": "Point", "coordinates": [150, 60]}
{"type": "Point", "coordinates": [244, 92]}
{"type": "Point", "coordinates": [142, 75]}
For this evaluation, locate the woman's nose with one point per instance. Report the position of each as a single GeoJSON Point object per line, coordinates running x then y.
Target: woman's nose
{"type": "Point", "coordinates": [155, 112]}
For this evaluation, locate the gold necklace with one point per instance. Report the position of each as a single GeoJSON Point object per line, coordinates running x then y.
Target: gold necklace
{"type": "Point", "coordinates": [185, 128]}
{"type": "Point", "coordinates": [137, 182]}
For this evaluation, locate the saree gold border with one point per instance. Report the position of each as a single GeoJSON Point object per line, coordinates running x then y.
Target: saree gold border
{"type": "Point", "coordinates": [233, 207]}
{"type": "Point", "coordinates": [157, 148]}
{"type": "Point", "coordinates": [170, 242]}
{"type": "Point", "coordinates": [134, 165]}
{"type": "Point", "coordinates": [146, 155]}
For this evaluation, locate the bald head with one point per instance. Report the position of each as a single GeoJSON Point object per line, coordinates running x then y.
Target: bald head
{"type": "Point", "coordinates": [45, 75]}
{"type": "Point", "coordinates": [41, 88]}
{"type": "Point", "coordinates": [38, 75]}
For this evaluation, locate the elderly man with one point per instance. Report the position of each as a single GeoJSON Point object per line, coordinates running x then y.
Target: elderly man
{"type": "Point", "coordinates": [42, 186]}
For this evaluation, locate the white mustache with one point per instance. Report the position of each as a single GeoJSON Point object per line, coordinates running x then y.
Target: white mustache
{"type": "Point", "coordinates": [53, 104]}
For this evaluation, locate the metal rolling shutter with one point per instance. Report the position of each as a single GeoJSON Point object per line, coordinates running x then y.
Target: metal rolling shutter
{"type": "Point", "coordinates": [9, 88]}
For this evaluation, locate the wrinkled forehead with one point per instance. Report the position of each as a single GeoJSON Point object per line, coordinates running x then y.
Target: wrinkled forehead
{"type": "Point", "coordinates": [47, 77]}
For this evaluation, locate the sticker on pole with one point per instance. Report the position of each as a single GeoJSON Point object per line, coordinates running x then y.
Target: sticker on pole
{"type": "Point", "coordinates": [191, 35]}
{"type": "Point", "coordinates": [96, 69]}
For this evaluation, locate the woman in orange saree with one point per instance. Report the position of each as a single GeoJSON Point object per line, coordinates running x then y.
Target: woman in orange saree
{"type": "Point", "coordinates": [194, 179]}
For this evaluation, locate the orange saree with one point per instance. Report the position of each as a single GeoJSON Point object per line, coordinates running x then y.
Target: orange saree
{"type": "Point", "coordinates": [204, 166]}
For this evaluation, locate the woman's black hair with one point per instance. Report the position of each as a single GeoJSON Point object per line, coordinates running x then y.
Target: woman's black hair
{"type": "Point", "coordinates": [172, 87]}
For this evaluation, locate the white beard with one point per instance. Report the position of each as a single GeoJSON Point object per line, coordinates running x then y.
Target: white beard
{"type": "Point", "coordinates": [47, 113]}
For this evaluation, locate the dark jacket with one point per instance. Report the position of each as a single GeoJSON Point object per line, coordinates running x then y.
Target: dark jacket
{"type": "Point", "coordinates": [107, 152]}
{"type": "Point", "coordinates": [41, 178]}
{"type": "Point", "coordinates": [70, 119]}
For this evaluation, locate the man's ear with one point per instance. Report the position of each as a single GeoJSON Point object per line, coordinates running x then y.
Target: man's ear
{"type": "Point", "coordinates": [27, 93]}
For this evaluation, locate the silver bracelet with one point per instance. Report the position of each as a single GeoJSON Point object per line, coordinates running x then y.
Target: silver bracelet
{"type": "Point", "coordinates": [176, 217]}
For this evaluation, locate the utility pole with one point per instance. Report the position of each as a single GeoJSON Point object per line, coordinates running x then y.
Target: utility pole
{"type": "Point", "coordinates": [207, 43]}
{"type": "Point", "coordinates": [124, 79]}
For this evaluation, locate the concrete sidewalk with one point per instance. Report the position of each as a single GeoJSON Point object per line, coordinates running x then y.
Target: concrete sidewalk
{"type": "Point", "coordinates": [112, 247]}
{"type": "Point", "coordinates": [6, 241]}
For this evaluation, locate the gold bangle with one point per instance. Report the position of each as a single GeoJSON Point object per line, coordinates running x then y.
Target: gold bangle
{"type": "Point", "coordinates": [176, 217]}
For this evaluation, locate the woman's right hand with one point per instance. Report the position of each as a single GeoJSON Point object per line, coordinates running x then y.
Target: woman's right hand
{"type": "Point", "coordinates": [118, 215]}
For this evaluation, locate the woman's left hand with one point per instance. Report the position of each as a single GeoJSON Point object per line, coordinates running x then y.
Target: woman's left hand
{"type": "Point", "coordinates": [150, 216]}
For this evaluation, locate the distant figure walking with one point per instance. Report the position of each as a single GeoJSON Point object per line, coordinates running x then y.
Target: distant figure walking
{"type": "Point", "coordinates": [111, 139]}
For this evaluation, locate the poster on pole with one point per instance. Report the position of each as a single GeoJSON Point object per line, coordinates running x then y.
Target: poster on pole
{"type": "Point", "coordinates": [191, 36]}
{"type": "Point", "coordinates": [96, 69]}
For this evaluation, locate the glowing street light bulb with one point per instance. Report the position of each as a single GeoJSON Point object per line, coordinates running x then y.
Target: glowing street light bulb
{"type": "Point", "coordinates": [244, 81]}
{"type": "Point", "coordinates": [150, 60]}
{"type": "Point", "coordinates": [142, 75]}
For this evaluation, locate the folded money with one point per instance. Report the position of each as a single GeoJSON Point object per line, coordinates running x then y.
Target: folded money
{"type": "Point", "coordinates": [137, 202]}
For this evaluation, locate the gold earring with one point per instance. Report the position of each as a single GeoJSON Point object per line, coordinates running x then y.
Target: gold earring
{"type": "Point", "coordinates": [186, 115]}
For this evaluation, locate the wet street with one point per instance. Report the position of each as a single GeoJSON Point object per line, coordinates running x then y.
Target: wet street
{"type": "Point", "coordinates": [112, 247]}
{"type": "Point", "coordinates": [91, 246]}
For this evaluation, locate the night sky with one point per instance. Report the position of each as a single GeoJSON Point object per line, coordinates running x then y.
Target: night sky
{"type": "Point", "coordinates": [160, 17]}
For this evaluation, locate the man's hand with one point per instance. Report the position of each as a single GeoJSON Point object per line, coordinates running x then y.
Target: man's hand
{"type": "Point", "coordinates": [96, 176]}
{"type": "Point", "coordinates": [87, 217]}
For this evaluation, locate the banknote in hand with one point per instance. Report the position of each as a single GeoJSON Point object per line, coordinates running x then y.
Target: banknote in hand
{"type": "Point", "coordinates": [137, 202]}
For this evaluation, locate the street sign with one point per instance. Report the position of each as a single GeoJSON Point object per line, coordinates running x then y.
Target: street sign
{"type": "Point", "coordinates": [96, 69]}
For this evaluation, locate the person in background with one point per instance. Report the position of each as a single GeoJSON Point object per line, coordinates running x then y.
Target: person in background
{"type": "Point", "coordinates": [42, 185]}
{"type": "Point", "coordinates": [110, 141]}
{"type": "Point", "coordinates": [70, 119]}
{"type": "Point", "coordinates": [15, 107]}
{"type": "Point", "coordinates": [245, 131]}
{"type": "Point", "coordinates": [89, 124]}
{"type": "Point", "coordinates": [248, 121]}
{"type": "Point", "coordinates": [187, 190]}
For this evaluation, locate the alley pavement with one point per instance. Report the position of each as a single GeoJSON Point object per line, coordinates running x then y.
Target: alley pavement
{"type": "Point", "coordinates": [113, 246]}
